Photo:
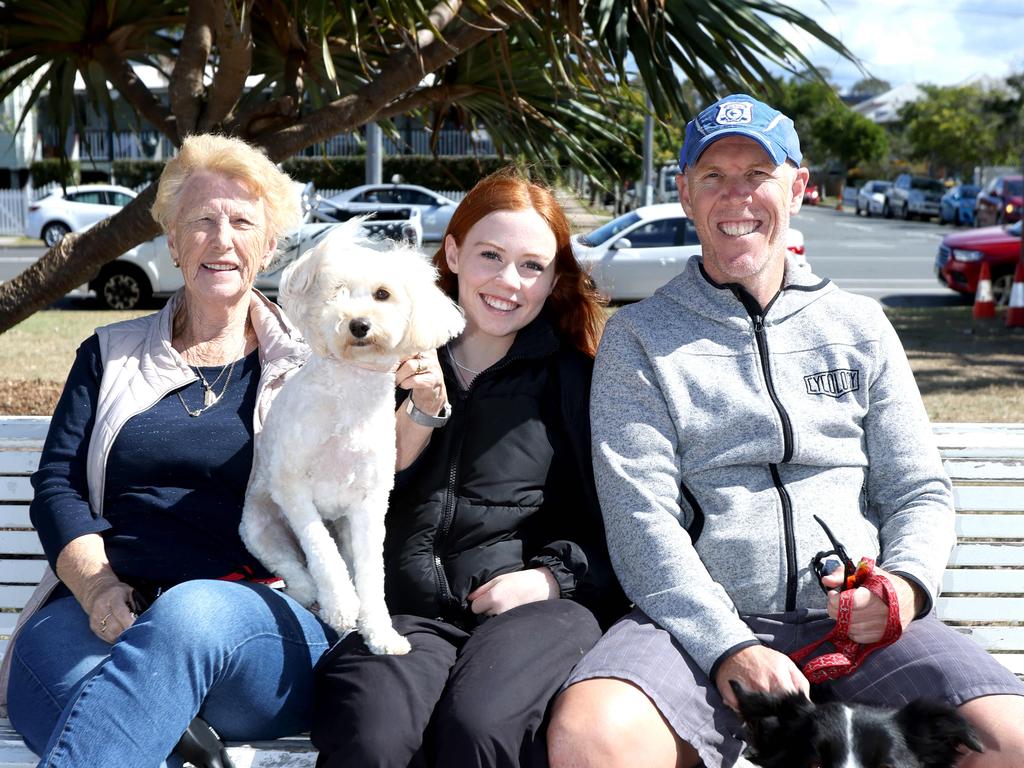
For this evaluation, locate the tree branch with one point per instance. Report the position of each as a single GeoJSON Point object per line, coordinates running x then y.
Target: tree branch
{"type": "Point", "coordinates": [425, 97]}
{"type": "Point", "coordinates": [76, 259]}
{"type": "Point", "coordinates": [119, 72]}
{"type": "Point", "coordinates": [401, 73]}
{"type": "Point", "coordinates": [186, 89]}
{"type": "Point", "coordinates": [234, 44]}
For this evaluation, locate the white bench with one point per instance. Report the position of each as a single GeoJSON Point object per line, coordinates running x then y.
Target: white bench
{"type": "Point", "coordinates": [983, 586]}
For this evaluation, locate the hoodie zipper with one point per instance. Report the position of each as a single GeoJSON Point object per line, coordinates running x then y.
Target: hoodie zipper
{"type": "Point", "coordinates": [761, 339]}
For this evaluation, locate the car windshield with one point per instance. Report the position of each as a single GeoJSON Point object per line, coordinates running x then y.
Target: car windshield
{"type": "Point", "coordinates": [928, 185]}
{"type": "Point", "coordinates": [1014, 230]}
{"type": "Point", "coordinates": [1014, 187]}
{"type": "Point", "coordinates": [612, 228]}
{"type": "Point", "coordinates": [969, 190]}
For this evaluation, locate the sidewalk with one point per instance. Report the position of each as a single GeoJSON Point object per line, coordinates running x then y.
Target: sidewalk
{"type": "Point", "coordinates": [582, 218]}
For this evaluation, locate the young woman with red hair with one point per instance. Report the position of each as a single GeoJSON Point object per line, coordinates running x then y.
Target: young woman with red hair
{"type": "Point", "coordinates": [495, 562]}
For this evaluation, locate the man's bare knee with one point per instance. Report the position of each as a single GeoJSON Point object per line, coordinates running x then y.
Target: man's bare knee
{"type": "Point", "coordinates": [609, 723]}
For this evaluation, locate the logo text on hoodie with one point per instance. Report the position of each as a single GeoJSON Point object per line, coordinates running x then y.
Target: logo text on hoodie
{"type": "Point", "coordinates": [834, 383]}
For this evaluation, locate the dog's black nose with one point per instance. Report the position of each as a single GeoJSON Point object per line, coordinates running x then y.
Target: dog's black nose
{"type": "Point", "coordinates": [359, 326]}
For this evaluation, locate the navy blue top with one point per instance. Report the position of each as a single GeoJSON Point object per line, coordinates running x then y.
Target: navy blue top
{"type": "Point", "coordinates": [175, 484]}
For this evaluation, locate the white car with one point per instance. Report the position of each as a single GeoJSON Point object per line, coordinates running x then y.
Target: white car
{"type": "Point", "coordinates": [147, 270]}
{"type": "Point", "coordinates": [632, 256]}
{"type": "Point", "coordinates": [435, 210]}
{"type": "Point", "coordinates": [60, 212]}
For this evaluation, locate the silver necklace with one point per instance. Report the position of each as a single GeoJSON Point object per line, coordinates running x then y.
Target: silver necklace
{"type": "Point", "coordinates": [466, 368]}
{"type": "Point", "coordinates": [210, 397]}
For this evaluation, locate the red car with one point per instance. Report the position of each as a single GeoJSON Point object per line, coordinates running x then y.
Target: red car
{"type": "Point", "coordinates": [999, 202]}
{"type": "Point", "coordinates": [812, 195]}
{"type": "Point", "coordinates": [961, 255]}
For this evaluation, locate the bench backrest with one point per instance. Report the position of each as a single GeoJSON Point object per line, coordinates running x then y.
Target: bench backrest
{"type": "Point", "coordinates": [983, 586]}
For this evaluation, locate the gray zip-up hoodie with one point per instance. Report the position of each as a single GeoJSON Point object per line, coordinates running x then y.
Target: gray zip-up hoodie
{"type": "Point", "coordinates": [719, 430]}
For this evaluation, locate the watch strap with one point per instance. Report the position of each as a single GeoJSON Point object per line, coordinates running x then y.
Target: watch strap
{"type": "Point", "coordinates": [425, 419]}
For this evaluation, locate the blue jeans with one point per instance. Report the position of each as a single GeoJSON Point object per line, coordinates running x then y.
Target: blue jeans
{"type": "Point", "coordinates": [240, 655]}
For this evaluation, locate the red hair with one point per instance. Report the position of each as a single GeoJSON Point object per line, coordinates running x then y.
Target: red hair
{"type": "Point", "coordinates": [575, 305]}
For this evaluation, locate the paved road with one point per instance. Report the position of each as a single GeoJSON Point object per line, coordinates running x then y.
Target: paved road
{"type": "Point", "coordinates": [889, 260]}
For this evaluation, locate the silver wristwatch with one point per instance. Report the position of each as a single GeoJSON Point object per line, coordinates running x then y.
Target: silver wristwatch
{"type": "Point", "coordinates": [425, 419]}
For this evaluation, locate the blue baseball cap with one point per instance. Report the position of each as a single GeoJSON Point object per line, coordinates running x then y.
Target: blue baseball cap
{"type": "Point", "coordinates": [741, 115]}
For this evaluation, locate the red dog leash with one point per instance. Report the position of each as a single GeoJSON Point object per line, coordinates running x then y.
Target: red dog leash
{"type": "Point", "coordinates": [848, 654]}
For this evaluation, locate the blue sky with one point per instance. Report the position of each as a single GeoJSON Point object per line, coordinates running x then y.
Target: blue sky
{"type": "Point", "coordinates": [945, 42]}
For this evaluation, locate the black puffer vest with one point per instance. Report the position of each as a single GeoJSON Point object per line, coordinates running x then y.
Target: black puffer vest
{"type": "Point", "coordinates": [507, 484]}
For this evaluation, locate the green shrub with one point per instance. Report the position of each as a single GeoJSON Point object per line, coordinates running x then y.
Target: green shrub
{"type": "Point", "coordinates": [454, 173]}
{"type": "Point", "coordinates": [134, 173]}
{"type": "Point", "coordinates": [52, 169]}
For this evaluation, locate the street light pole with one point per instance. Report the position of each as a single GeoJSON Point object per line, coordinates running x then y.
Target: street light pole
{"type": "Point", "coordinates": [374, 154]}
{"type": "Point", "coordinates": [648, 196]}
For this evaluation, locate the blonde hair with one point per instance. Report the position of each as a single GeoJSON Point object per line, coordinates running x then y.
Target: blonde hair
{"type": "Point", "coordinates": [237, 160]}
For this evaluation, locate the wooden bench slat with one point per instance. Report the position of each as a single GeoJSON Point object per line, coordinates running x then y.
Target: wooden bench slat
{"type": "Point", "coordinates": [1000, 581]}
{"type": "Point", "coordinates": [20, 543]}
{"type": "Point", "coordinates": [989, 498]}
{"type": "Point", "coordinates": [988, 554]}
{"type": "Point", "coordinates": [996, 638]}
{"type": "Point", "coordinates": [981, 608]}
{"type": "Point", "coordinates": [7, 622]}
{"type": "Point", "coordinates": [22, 571]}
{"type": "Point", "coordinates": [980, 440]}
{"type": "Point", "coordinates": [14, 516]}
{"type": "Point", "coordinates": [973, 470]}
{"type": "Point", "coordinates": [1012, 661]}
{"type": "Point", "coordinates": [18, 462]}
{"type": "Point", "coordinates": [15, 596]}
{"type": "Point", "coordinates": [15, 489]}
{"type": "Point", "coordinates": [1000, 526]}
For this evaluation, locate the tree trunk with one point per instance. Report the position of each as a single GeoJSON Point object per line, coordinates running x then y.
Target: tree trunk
{"type": "Point", "coordinates": [76, 260]}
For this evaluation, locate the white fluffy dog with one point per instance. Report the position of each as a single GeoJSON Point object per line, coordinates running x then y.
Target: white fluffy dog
{"type": "Point", "coordinates": [325, 458]}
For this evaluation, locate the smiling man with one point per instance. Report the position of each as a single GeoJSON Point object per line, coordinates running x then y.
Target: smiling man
{"type": "Point", "coordinates": [744, 398]}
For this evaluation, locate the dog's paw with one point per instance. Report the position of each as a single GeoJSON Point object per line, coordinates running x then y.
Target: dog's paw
{"type": "Point", "coordinates": [385, 641]}
{"type": "Point", "coordinates": [301, 589]}
{"type": "Point", "coordinates": [340, 619]}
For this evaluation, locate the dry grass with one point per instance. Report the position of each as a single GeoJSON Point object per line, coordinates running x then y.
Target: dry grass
{"type": "Point", "coordinates": [966, 371]}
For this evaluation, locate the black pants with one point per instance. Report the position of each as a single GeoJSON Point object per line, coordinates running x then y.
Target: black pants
{"type": "Point", "coordinates": [457, 700]}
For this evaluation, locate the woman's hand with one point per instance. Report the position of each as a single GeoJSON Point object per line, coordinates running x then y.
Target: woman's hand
{"type": "Point", "coordinates": [502, 593]}
{"type": "Point", "coordinates": [108, 609]}
{"type": "Point", "coordinates": [422, 376]}
{"type": "Point", "coordinates": [83, 566]}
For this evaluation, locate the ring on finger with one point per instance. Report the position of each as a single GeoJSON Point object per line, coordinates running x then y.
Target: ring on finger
{"type": "Point", "coordinates": [103, 622]}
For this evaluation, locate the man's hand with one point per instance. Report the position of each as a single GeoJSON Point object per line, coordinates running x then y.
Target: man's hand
{"type": "Point", "coordinates": [502, 593]}
{"type": "Point", "coordinates": [870, 613]}
{"type": "Point", "coordinates": [759, 668]}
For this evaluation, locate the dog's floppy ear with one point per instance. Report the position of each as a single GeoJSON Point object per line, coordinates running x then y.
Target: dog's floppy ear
{"type": "Point", "coordinates": [296, 280]}
{"type": "Point", "coordinates": [935, 731]}
{"type": "Point", "coordinates": [434, 318]}
{"type": "Point", "coordinates": [770, 720]}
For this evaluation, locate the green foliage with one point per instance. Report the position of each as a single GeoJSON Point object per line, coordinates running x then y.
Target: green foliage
{"type": "Point", "coordinates": [454, 173]}
{"type": "Point", "coordinates": [1005, 108]}
{"type": "Point", "coordinates": [948, 128]}
{"type": "Point", "coordinates": [870, 86]}
{"type": "Point", "coordinates": [53, 169]}
{"type": "Point", "coordinates": [134, 173]}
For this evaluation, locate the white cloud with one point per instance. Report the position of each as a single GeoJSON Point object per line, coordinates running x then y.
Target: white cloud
{"type": "Point", "coordinates": [918, 41]}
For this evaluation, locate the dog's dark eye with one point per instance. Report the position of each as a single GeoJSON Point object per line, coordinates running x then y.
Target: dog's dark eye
{"type": "Point", "coordinates": [381, 294]}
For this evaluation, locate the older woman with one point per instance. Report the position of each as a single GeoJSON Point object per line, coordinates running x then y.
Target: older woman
{"type": "Point", "coordinates": [139, 494]}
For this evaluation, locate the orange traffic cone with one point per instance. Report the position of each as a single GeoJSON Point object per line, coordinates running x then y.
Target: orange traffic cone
{"type": "Point", "coordinates": [1015, 311]}
{"type": "Point", "coordinates": [984, 301]}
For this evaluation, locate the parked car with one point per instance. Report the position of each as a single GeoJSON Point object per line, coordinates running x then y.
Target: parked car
{"type": "Point", "coordinates": [957, 205]}
{"type": "Point", "coordinates": [392, 222]}
{"type": "Point", "coordinates": [812, 195]}
{"type": "Point", "coordinates": [999, 202]}
{"type": "Point", "coordinates": [77, 208]}
{"type": "Point", "coordinates": [915, 196]}
{"type": "Point", "coordinates": [633, 255]}
{"type": "Point", "coordinates": [961, 254]}
{"type": "Point", "coordinates": [435, 210]}
{"type": "Point", "coordinates": [871, 198]}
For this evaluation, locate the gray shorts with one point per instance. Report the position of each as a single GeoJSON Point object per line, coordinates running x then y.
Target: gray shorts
{"type": "Point", "coordinates": [930, 660]}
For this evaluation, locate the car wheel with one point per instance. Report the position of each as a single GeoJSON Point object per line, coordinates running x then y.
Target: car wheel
{"type": "Point", "coordinates": [54, 232]}
{"type": "Point", "coordinates": [122, 286]}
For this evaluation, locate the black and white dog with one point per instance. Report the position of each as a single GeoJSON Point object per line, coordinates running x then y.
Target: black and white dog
{"type": "Point", "coordinates": [793, 732]}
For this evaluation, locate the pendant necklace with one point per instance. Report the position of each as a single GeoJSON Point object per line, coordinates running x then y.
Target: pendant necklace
{"type": "Point", "coordinates": [210, 396]}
